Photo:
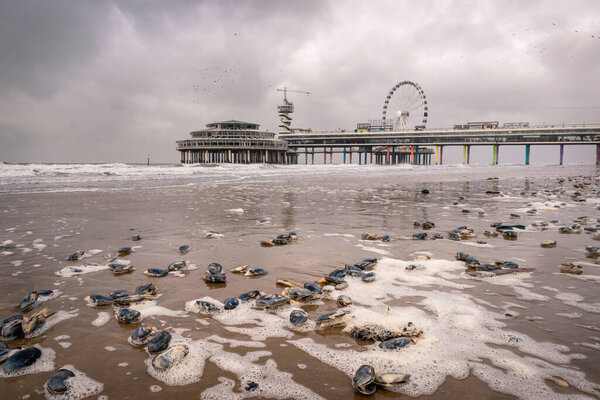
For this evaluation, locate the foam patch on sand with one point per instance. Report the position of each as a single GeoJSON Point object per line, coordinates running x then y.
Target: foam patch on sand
{"type": "Point", "coordinates": [102, 319]}
{"type": "Point", "coordinates": [68, 272]}
{"type": "Point", "coordinates": [43, 364]}
{"type": "Point", "coordinates": [79, 387]}
{"type": "Point", "coordinates": [346, 235]}
{"type": "Point", "coordinates": [576, 300]}
{"type": "Point", "coordinates": [374, 249]}
{"type": "Point", "coordinates": [272, 383]}
{"type": "Point", "coordinates": [150, 309]}
{"type": "Point", "coordinates": [462, 335]}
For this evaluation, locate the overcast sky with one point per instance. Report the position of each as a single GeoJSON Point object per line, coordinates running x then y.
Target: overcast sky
{"type": "Point", "coordinates": [110, 81]}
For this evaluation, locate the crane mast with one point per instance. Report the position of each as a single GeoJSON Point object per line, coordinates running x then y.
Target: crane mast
{"type": "Point", "coordinates": [285, 109]}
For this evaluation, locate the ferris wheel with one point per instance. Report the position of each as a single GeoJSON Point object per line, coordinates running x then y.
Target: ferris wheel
{"type": "Point", "coordinates": [405, 107]}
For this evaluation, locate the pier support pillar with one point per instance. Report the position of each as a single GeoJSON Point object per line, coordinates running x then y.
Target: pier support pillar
{"type": "Point", "coordinates": [366, 156]}
{"type": "Point", "coordinates": [331, 155]}
{"type": "Point", "coordinates": [412, 154]}
{"type": "Point", "coordinates": [350, 155]}
{"type": "Point", "coordinates": [527, 151]}
{"type": "Point", "coordinates": [598, 154]}
{"type": "Point", "coordinates": [464, 154]}
{"type": "Point", "coordinates": [387, 156]}
{"type": "Point", "coordinates": [306, 155]}
{"type": "Point", "coordinates": [468, 154]}
{"type": "Point", "coordinates": [417, 155]}
{"type": "Point", "coordinates": [371, 161]}
{"type": "Point", "coordinates": [441, 155]}
{"type": "Point", "coordinates": [344, 155]}
{"type": "Point", "coordinates": [313, 156]}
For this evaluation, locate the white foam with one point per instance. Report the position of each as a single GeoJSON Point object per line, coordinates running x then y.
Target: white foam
{"type": "Point", "coordinates": [40, 246]}
{"type": "Point", "coordinates": [17, 263]}
{"type": "Point", "coordinates": [62, 337]}
{"type": "Point", "coordinates": [576, 300]}
{"type": "Point", "coordinates": [68, 272]}
{"type": "Point", "coordinates": [572, 315]}
{"type": "Point", "coordinates": [373, 249]}
{"type": "Point", "coordinates": [347, 235]}
{"type": "Point", "coordinates": [79, 386]}
{"type": "Point", "coordinates": [235, 210]}
{"type": "Point", "coordinates": [65, 345]}
{"type": "Point", "coordinates": [102, 319]}
{"type": "Point", "coordinates": [155, 388]}
{"type": "Point", "coordinates": [149, 308]}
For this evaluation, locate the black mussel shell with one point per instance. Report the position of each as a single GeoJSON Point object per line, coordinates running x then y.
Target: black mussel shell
{"type": "Point", "coordinates": [57, 383]}
{"type": "Point", "coordinates": [21, 359]}
{"type": "Point", "coordinates": [159, 342]}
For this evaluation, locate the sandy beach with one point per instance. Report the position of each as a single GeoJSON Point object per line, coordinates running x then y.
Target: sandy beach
{"type": "Point", "coordinates": [519, 335]}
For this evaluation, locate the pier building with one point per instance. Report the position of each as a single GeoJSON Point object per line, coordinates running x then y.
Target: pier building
{"type": "Point", "coordinates": [235, 142]}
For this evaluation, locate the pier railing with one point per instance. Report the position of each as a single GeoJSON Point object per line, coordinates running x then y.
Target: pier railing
{"type": "Point", "coordinates": [246, 144]}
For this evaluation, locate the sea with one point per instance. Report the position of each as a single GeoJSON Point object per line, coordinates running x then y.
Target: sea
{"type": "Point", "coordinates": [517, 320]}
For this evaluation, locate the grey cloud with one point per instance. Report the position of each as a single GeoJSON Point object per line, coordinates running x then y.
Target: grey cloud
{"type": "Point", "coordinates": [93, 81]}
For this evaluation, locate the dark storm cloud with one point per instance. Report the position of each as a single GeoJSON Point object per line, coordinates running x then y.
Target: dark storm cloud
{"type": "Point", "coordinates": [94, 81]}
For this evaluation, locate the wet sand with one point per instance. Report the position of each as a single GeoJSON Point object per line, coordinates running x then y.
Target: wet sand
{"type": "Point", "coordinates": [329, 214]}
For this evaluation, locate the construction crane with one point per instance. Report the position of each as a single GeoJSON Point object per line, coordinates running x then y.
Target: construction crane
{"type": "Point", "coordinates": [286, 108]}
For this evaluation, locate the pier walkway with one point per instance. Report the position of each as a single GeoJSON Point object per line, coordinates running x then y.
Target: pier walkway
{"type": "Point", "coordinates": [372, 142]}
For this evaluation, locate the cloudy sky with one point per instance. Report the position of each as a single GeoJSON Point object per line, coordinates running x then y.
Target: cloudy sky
{"type": "Point", "coordinates": [110, 81]}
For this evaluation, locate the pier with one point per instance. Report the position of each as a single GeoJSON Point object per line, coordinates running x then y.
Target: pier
{"type": "Point", "coordinates": [235, 142]}
{"type": "Point", "coordinates": [391, 147]}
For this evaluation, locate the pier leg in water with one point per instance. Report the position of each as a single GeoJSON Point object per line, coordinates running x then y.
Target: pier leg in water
{"type": "Point", "coordinates": [387, 156]}
{"type": "Point", "coordinates": [412, 154]}
{"type": "Point", "coordinates": [598, 154]}
{"type": "Point", "coordinates": [350, 155]}
{"type": "Point", "coordinates": [562, 149]}
{"type": "Point", "coordinates": [441, 155]}
{"type": "Point", "coordinates": [324, 155]}
{"type": "Point", "coordinates": [313, 156]}
{"type": "Point", "coordinates": [344, 155]}
{"type": "Point", "coordinates": [494, 154]}
{"type": "Point", "coordinates": [417, 155]}
{"type": "Point", "coordinates": [370, 157]}
{"type": "Point", "coordinates": [331, 155]}
{"type": "Point", "coordinates": [468, 154]}
{"type": "Point", "coordinates": [527, 150]}
{"type": "Point", "coordinates": [305, 155]}
{"type": "Point", "coordinates": [464, 154]}
{"type": "Point", "coordinates": [437, 149]}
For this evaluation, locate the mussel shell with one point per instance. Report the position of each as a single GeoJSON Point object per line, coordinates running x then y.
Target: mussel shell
{"type": "Point", "coordinates": [57, 383]}
{"type": "Point", "coordinates": [256, 272]}
{"type": "Point", "coordinates": [21, 359]}
{"type": "Point", "coordinates": [341, 286]}
{"type": "Point", "coordinates": [460, 256]}
{"type": "Point", "coordinates": [215, 278]}
{"type": "Point", "coordinates": [5, 353]}
{"type": "Point", "coordinates": [133, 298]}
{"type": "Point", "coordinates": [396, 343]}
{"type": "Point", "coordinates": [3, 346]}
{"type": "Point", "coordinates": [334, 279]}
{"type": "Point", "coordinates": [178, 265]}
{"type": "Point", "coordinates": [207, 307]}
{"type": "Point", "coordinates": [124, 251]}
{"type": "Point", "coordinates": [123, 269]}
{"type": "Point", "coordinates": [344, 301]}
{"type": "Point", "coordinates": [385, 238]}
{"type": "Point", "coordinates": [156, 272]}
{"type": "Point", "coordinates": [366, 390]}
{"type": "Point", "coordinates": [231, 303]}
{"type": "Point", "coordinates": [184, 249]}
{"type": "Point", "coordinates": [12, 327]}
{"type": "Point", "coordinates": [486, 267]}
{"type": "Point", "coordinates": [330, 316]}
{"type": "Point", "coordinates": [45, 293]}
{"type": "Point", "coordinates": [313, 287]}
{"type": "Point", "coordinates": [119, 293]}
{"type": "Point", "coordinates": [363, 376]}
{"type": "Point", "coordinates": [29, 302]}
{"type": "Point", "coordinates": [76, 256]}
{"type": "Point", "coordinates": [272, 301]}
{"type": "Point", "coordinates": [215, 268]}
{"type": "Point", "coordinates": [29, 325]}
{"type": "Point", "coordinates": [141, 336]}
{"type": "Point", "coordinates": [369, 277]}
{"type": "Point", "coordinates": [167, 358]}
{"type": "Point", "coordinates": [159, 342]}
{"type": "Point", "coordinates": [388, 379]}
{"type": "Point", "coordinates": [280, 241]}
{"type": "Point", "coordinates": [298, 317]}
{"type": "Point", "coordinates": [338, 273]}
{"type": "Point", "coordinates": [299, 293]}
{"type": "Point", "coordinates": [128, 316]}
{"type": "Point", "coordinates": [146, 289]}
{"type": "Point", "coordinates": [245, 297]}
